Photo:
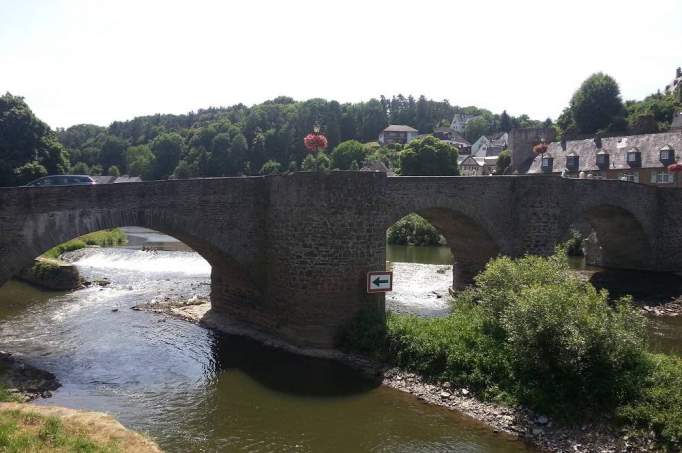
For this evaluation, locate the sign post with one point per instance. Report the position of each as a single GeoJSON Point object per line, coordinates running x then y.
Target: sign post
{"type": "Point", "coordinates": [379, 282]}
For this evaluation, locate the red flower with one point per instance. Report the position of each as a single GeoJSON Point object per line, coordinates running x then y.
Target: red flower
{"type": "Point", "coordinates": [675, 168]}
{"type": "Point", "coordinates": [315, 142]}
{"type": "Point", "coordinates": [540, 148]}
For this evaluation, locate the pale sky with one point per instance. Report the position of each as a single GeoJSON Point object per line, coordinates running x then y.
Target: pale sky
{"type": "Point", "coordinates": [96, 62]}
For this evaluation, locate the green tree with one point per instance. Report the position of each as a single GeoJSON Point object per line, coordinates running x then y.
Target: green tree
{"type": "Point", "coordinates": [113, 171]}
{"type": "Point", "coordinates": [184, 170]}
{"type": "Point", "coordinates": [428, 156]}
{"type": "Point", "coordinates": [139, 160]}
{"type": "Point", "coordinates": [505, 122]}
{"type": "Point", "coordinates": [167, 149]}
{"type": "Point", "coordinates": [113, 152]}
{"type": "Point", "coordinates": [597, 105]}
{"type": "Point", "coordinates": [270, 167]}
{"type": "Point", "coordinates": [27, 145]}
{"type": "Point", "coordinates": [346, 153]}
{"type": "Point", "coordinates": [81, 168]}
{"type": "Point", "coordinates": [475, 128]}
{"type": "Point", "coordinates": [503, 162]}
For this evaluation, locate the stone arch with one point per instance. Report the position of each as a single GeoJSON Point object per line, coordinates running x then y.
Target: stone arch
{"type": "Point", "coordinates": [623, 241]}
{"type": "Point", "coordinates": [231, 281]}
{"type": "Point", "coordinates": [471, 244]}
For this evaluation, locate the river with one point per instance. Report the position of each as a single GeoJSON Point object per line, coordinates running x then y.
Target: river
{"type": "Point", "coordinates": [194, 390]}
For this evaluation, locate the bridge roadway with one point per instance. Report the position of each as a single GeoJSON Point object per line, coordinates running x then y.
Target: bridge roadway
{"type": "Point", "coordinates": [290, 253]}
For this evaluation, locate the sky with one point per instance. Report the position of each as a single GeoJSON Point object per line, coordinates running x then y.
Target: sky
{"type": "Point", "coordinates": [79, 61]}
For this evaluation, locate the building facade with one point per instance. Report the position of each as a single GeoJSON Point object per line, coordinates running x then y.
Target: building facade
{"type": "Point", "coordinates": [397, 133]}
{"type": "Point", "coordinates": [638, 158]}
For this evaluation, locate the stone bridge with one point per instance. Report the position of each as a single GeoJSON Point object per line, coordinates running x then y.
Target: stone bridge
{"type": "Point", "coordinates": [290, 253]}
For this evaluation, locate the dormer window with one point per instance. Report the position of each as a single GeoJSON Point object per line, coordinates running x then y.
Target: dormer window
{"type": "Point", "coordinates": [572, 161]}
{"type": "Point", "coordinates": [547, 163]}
{"type": "Point", "coordinates": [603, 160]}
{"type": "Point", "coordinates": [634, 158]}
{"type": "Point", "coordinates": [667, 155]}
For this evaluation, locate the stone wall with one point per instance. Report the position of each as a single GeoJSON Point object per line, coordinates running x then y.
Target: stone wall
{"type": "Point", "coordinates": [290, 253]}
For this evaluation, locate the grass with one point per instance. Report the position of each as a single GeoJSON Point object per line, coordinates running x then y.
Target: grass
{"type": "Point", "coordinates": [22, 431]}
{"type": "Point", "coordinates": [531, 333]}
{"type": "Point", "coordinates": [104, 238]}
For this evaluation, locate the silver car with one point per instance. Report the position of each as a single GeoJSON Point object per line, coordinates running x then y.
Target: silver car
{"type": "Point", "coordinates": [62, 180]}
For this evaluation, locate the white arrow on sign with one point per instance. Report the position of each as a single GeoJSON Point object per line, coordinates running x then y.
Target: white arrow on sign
{"type": "Point", "coordinates": [379, 282]}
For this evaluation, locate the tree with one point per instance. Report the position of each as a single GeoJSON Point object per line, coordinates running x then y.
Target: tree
{"type": "Point", "coordinates": [113, 171]}
{"type": "Point", "coordinates": [503, 162]}
{"type": "Point", "coordinates": [597, 105]}
{"type": "Point", "coordinates": [27, 145]}
{"type": "Point", "coordinates": [428, 156]}
{"type": "Point", "coordinates": [505, 122]}
{"type": "Point", "coordinates": [270, 167]}
{"type": "Point", "coordinates": [139, 160]}
{"type": "Point", "coordinates": [476, 128]}
{"type": "Point", "coordinates": [346, 153]}
{"type": "Point", "coordinates": [167, 150]}
{"type": "Point", "coordinates": [81, 168]}
{"type": "Point", "coordinates": [113, 152]}
{"type": "Point", "coordinates": [184, 170]}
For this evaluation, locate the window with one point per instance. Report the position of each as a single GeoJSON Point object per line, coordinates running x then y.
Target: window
{"type": "Point", "coordinates": [572, 162]}
{"type": "Point", "coordinates": [602, 159]}
{"type": "Point", "coordinates": [661, 177]}
{"type": "Point", "coordinates": [631, 177]}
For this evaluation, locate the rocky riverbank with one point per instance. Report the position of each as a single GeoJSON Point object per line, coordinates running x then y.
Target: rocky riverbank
{"type": "Point", "coordinates": [519, 422]}
{"type": "Point", "coordinates": [51, 274]}
{"type": "Point", "coordinates": [25, 381]}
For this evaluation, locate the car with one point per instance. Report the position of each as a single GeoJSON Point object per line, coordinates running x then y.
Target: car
{"type": "Point", "coordinates": [62, 180]}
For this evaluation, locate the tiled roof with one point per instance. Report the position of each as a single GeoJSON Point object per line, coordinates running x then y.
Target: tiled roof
{"type": "Point", "coordinates": [617, 147]}
{"type": "Point", "coordinates": [399, 128]}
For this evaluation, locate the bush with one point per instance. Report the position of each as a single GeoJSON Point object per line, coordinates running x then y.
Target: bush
{"type": "Point", "coordinates": [574, 245]}
{"type": "Point", "coordinates": [346, 153]}
{"type": "Point", "coordinates": [104, 238]}
{"type": "Point", "coordinates": [271, 167]}
{"type": "Point", "coordinates": [428, 156]}
{"type": "Point", "coordinates": [413, 230]}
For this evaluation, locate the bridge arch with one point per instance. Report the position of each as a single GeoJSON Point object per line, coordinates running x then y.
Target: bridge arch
{"type": "Point", "coordinates": [622, 239]}
{"type": "Point", "coordinates": [470, 243]}
{"type": "Point", "coordinates": [231, 281]}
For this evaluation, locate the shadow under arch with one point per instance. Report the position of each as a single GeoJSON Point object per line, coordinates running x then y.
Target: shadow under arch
{"type": "Point", "coordinates": [471, 244]}
{"type": "Point", "coordinates": [622, 241]}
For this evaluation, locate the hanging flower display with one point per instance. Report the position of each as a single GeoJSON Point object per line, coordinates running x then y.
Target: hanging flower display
{"type": "Point", "coordinates": [540, 148]}
{"type": "Point", "coordinates": [675, 168]}
{"type": "Point", "coordinates": [315, 142]}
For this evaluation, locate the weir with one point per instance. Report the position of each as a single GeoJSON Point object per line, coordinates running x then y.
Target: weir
{"type": "Point", "coordinates": [290, 253]}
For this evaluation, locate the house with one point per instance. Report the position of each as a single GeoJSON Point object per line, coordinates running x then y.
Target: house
{"type": "Point", "coordinates": [470, 165]}
{"type": "Point", "coordinates": [397, 133]}
{"type": "Point", "coordinates": [676, 83]}
{"type": "Point", "coordinates": [451, 136]}
{"type": "Point", "coordinates": [637, 158]}
{"type": "Point", "coordinates": [460, 120]}
{"type": "Point", "coordinates": [497, 141]}
{"type": "Point", "coordinates": [677, 122]}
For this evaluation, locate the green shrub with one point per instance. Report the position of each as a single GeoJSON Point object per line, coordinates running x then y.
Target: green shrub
{"type": "Point", "coordinates": [574, 245]}
{"type": "Point", "coordinates": [413, 230]}
{"type": "Point", "coordinates": [658, 408]}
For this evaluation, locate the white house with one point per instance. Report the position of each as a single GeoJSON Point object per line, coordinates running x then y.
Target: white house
{"type": "Point", "coordinates": [397, 133]}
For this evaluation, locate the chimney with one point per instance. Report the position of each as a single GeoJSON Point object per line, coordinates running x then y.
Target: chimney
{"type": "Point", "coordinates": [563, 142]}
{"type": "Point", "coordinates": [679, 72]}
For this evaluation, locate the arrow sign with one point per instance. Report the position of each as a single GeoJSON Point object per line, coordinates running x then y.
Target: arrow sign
{"type": "Point", "coordinates": [379, 282]}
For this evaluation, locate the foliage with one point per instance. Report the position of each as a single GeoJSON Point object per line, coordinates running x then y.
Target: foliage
{"type": "Point", "coordinates": [530, 332]}
{"type": "Point", "coordinates": [28, 147]}
{"type": "Point", "coordinates": [658, 408]}
{"type": "Point", "coordinates": [22, 431]}
{"type": "Point", "coordinates": [113, 171]}
{"type": "Point", "coordinates": [597, 105]}
{"type": "Point", "coordinates": [346, 153]}
{"type": "Point", "coordinates": [270, 167]}
{"type": "Point", "coordinates": [316, 162]}
{"type": "Point", "coordinates": [503, 162]}
{"type": "Point", "coordinates": [428, 156]}
{"type": "Point", "coordinates": [652, 114]}
{"type": "Point", "coordinates": [413, 230]}
{"type": "Point", "coordinates": [139, 160]}
{"type": "Point", "coordinates": [81, 168]}
{"type": "Point", "coordinates": [477, 127]}
{"type": "Point", "coordinates": [104, 238]}
{"type": "Point", "coordinates": [574, 244]}
{"type": "Point", "coordinates": [365, 334]}
{"type": "Point", "coordinates": [167, 150]}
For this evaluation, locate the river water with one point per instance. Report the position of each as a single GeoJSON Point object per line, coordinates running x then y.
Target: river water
{"type": "Point", "coordinates": [194, 390]}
